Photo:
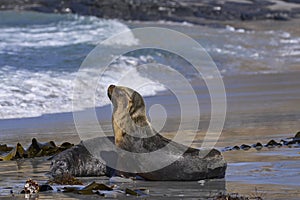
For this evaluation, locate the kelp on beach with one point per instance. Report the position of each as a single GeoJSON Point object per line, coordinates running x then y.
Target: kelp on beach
{"type": "Point", "coordinates": [36, 149]}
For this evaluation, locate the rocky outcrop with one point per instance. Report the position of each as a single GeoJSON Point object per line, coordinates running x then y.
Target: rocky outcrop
{"type": "Point", "coordinates": [193, 11]}
{"type": "Point", "coordinates": [289, 142]}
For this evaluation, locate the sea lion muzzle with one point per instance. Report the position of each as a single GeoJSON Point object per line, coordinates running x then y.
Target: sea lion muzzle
{"type": "Point", "coordinates": [110, 90]}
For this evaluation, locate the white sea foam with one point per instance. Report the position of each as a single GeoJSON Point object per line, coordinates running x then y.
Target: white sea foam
{"type": "Point", "coordinates": [231, 28]}
{"type": "Point", "coordinates": [36, 79]}
{"type": "Point", "coordinates": [27, 94]}
{"type": "Point", "coordinates": [27, 91]}
{"type": "Point", "coordinates": [70, 31]}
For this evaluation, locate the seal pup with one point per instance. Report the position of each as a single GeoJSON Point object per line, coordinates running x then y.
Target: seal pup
{"type": "Point", "coordinates": [78, 161]}
{"type": "Point", "coordinates": [134, 133]}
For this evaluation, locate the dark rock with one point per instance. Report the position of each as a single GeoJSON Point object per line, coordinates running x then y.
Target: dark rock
{"type": "Point", "coordinates": [45, 187]}
{"type": "Point", "coordinates": [227, 149]}
{"type": "Point", "coordinates": [8, 156]}
{"type": "Point", "coordinates": [297, 136]}
{"type": "Point", "coordinates": [258, 146]}
{"type": "Point", "coordinates": [20, 153]}
{"type": "Point", "coordinates": [15, 153]}
{"type": "Point", "coordinates": [135, 192]}
{"type": "Point", "coordinates": [37, 149]}
{"type": "Point", "coordinates": [245, 147]}
{"type": "Point", "coordinates": [151, 10]}
{"type": "Point", "coordinates": [5, 148]}
{"type": "Point", "coordinates": [281, 16]}
{"type": "Point", "coordinates": [93, 186]}
{"type": "Point", "coordinates": [288, 141]}
{"type": "Point", "coordinates": [34, 148]}
{"type": "Point", "coordinates": [273, 143]}
{"type": "Point", "coordinates": [292, 141]}
{"type": "Point", "coordinates": [66, 145]}
{"type": "Point", "coordinates": [236, 148]}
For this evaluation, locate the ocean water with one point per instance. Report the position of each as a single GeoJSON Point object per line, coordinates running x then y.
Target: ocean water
{"type": "Point", "coordinates": [40, 55]}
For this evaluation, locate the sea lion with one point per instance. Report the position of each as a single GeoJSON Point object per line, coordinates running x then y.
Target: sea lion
{"type": "Point", "coordinates": [134, 133]}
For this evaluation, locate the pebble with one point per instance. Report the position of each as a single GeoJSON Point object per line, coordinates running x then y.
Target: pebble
{"type": "Point", "coordinates": [272, 143]}
{"type": "Point", "coordinates": [258, 146]}
{"type": "Point", "coordinates": [245, 147]}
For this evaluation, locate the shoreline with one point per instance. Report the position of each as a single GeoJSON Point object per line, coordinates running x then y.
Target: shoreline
{"type": "Point", "coordinates": [195, 12]}
{"type": "Point", "coordinates": [254, 104]}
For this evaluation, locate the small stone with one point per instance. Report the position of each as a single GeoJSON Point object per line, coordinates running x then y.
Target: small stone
{"type": "Point", "coordinates": [245, 147]}
{"type": "Point", "coordinates": [258, 146]}
{"type": "Point", "coordinates": [137, 192]}
{"type": "Point", "coordinates": [92, 187]}
{"type": "Point", "coordinates": [236, 148]}
{"type": "Point", "coordinates": [227, 149]}
{"type": "Point", "coordinates": [20, 152]}
{"type": "Point", "coordinates": [296, 139]}
{"type": "Point", "coordinates": [45, 187]}
{"type": "Point", "coordinates": [66, 145]}
{"type": "Point", "coordinates": [287, 141]}
{"type": "Point", "coordinates": [131, 192]}
{"type": "Point", "coordinates": [272, 143]}
{"type": "Point", "coordinates": [5, 148]}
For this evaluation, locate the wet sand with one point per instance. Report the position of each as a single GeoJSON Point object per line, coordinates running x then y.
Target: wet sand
{"type": "Point", "coordinates": [260, 108]}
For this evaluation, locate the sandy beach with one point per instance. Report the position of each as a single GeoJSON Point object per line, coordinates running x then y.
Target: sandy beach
{"type": "Point", "coordinates": [260, 108]}
{"type": "Point", "coordinates": [259, 63]}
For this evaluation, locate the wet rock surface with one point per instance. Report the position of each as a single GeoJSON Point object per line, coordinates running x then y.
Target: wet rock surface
{"type": "Point", "coordinates": [257, 146]}
{"type": "Point", "coordinates": [289, 142]}
{"type": "Point", "coordinates": [193, 11]}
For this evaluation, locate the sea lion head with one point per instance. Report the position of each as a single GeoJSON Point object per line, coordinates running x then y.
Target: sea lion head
{"type": "Point", "coordinates": [127, 102]}
{"type": "Point", "coordinates": [129, 114]}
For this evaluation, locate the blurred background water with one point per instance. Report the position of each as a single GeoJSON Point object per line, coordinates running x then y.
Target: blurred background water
{"type": "Point", "coordinates": [40, 55]}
